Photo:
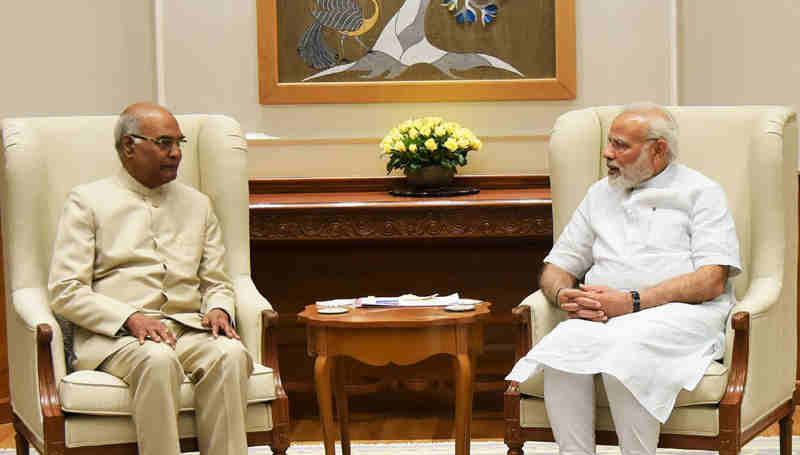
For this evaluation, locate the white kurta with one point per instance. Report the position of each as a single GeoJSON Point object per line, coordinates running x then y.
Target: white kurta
{"type": "Point", "coordinates": [670, 225]}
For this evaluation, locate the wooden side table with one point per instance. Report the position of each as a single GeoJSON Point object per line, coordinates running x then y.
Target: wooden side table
{"type": "Point", "coordinates": [403, 336]}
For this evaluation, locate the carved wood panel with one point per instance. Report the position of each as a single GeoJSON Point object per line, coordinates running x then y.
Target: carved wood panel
{"type": "Point", "coordinates": [522, 222]}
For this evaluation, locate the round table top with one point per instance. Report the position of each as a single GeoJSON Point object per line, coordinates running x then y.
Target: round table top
{"type": "Point", "coordinates": [369, 317]}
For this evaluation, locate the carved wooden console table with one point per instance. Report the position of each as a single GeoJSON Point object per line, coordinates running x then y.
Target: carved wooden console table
{"type": "Point", "coordinates": [319, 239]}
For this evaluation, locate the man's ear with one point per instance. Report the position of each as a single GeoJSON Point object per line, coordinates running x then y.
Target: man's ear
{"type": "Point", "coordinates": [660, 149]}
{"type": "Point", "coordinates": [127, 146]}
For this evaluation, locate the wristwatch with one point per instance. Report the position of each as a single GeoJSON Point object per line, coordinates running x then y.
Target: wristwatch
{"type": "Point", "coordinates": [636, 301]}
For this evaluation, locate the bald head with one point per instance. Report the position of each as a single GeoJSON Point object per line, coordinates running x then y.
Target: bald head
{"type": "Point", "coordinates": [130, 118]}
{"type": "Point", "coordinates": [656, 123]}
{"type": "Point", "coordinates": [148, 140]}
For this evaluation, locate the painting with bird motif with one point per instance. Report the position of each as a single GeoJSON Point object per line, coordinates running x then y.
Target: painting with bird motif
{"type": "Point", "coordinates": [406, 41]}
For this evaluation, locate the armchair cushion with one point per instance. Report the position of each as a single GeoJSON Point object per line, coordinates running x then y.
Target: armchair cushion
{"type": "Point", "coordinates": [709, 391]}
{"type": "Point", "coordinates": [701, 420]}
{"type": "Point", "coordinates": [93, 430]}
{"type": "Point", "coordinates": [98, 393]}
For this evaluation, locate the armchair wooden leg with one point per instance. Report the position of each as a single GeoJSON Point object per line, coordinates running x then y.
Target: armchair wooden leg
{"type": "Point", "coordinates": [22, 444]}
{"type": "Point", "coordinates": [785, 425]}
{"type": "Point", "coordinates": [512, 437]}
{"type": "Point", "coordinates": [280, 430]}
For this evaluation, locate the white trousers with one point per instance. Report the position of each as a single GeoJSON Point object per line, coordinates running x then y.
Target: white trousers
{"type": "Point", "coordinates": [570, 402]}
{"type": "Point", "coordinates": [219, 369]}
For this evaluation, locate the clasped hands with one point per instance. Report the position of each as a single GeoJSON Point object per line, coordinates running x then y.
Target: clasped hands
{"type": "Point", "coordinates": [143, 327]}
{"type": "Point", "coordinates": [594, 303]}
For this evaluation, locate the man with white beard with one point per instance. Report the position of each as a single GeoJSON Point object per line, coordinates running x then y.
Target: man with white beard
{"type": "Point", "coordinates": [643, 270]}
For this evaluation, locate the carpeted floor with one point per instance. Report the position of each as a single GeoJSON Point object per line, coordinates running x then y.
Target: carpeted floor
{"type": "Point", "coordinates": [758, 446]}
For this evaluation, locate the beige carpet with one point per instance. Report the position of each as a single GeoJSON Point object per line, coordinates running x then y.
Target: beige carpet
{"type": "Point", "coordinates": [758, 446]}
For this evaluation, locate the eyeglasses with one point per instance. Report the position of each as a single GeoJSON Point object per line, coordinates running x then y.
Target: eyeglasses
{"type": "Point", "coordinates": [162, 142]}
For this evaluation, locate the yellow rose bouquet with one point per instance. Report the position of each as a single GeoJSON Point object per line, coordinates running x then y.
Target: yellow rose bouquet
{"type": "Point", "coordinates": [429, 141]}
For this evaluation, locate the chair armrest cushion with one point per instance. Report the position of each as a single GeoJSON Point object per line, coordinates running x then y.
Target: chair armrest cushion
{"type": "Point", "coordinates": [28, 310]}
{"type": "Point", "coordinates": [770, 362]}
{"type": "Point", "coordinates": [249, 306]}
{"type": "Point", "coordinates": [32, 306]}
{"type": "Point", "coordinates": [760, 296]}
{"type": "Point", "coordinates": [544, 316]}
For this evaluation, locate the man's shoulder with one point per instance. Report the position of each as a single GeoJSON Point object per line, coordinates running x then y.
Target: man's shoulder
{"type": "Point", "coordinates": [688, 177]}
{"type": "Point", "coordinates": [183, 197]}
{"type": "Point", "coordinates": [95, 189]}
{"type": "Point", "coordinates": [185, 191]}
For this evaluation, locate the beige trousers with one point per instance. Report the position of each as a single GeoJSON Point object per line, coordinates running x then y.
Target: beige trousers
{"type": "Point", "coordinates": [218, 368]}
{"type": "Point", "coordinates": [569, 400]}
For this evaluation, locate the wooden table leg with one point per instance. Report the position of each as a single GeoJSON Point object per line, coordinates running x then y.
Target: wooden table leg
{"type": "Point", "coordinates": [342, 406]}
{"type": "Point", "coordinates": [464, 379]}
{"type": "Point", "coordinates": [322, 380]}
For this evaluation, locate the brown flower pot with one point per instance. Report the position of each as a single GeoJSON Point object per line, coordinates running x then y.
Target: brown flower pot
{"type": "Point", "coordinates": [430, 177]}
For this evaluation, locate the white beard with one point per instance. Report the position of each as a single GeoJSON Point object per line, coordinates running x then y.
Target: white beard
{"type": "Point", "coordinates": [632, 174]}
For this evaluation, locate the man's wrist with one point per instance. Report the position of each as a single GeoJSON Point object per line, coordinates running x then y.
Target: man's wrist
{"type": "Point", "coordinates": [556, 302]}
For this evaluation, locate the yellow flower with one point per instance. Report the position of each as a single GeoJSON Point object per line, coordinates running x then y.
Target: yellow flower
{"type": "Point", "coordinates": [477, 144]}
{"type": "Point", "coordinates": [404, 142]}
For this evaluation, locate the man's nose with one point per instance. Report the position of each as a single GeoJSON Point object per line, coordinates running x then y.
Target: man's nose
{"type": "Point", "coordinates": [608, 152]}
{"type": "Point", "coordinates": [175, 151]}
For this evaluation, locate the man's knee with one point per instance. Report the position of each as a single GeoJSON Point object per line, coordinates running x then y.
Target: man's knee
{"type": "Point", "coordinates": [159, 359]}
{"type": "Point", "coordinates": [236, 352]}
{"type": "Point", "coordinates": [230, 355]}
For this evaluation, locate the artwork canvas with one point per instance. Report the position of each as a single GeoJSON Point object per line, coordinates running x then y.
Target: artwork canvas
{"type": "Point", "coordinates": [437, 46]}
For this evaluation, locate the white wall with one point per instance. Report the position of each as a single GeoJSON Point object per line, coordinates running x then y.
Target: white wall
{"type": "Point", "coordinates": [98, 56]}
{"type": "Point", "coordinates": [212, 65]}
{"type": "Point", "coordinates": [739, 52]}
{"type": "Point", "coordinates": [75, 57]}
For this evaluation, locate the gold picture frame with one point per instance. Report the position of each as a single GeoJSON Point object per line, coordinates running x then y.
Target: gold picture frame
{"type": "Point", "coordinates": [558, 86]}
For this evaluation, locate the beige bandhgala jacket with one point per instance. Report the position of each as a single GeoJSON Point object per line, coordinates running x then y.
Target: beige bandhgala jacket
{"type": "Point", "coordinates": [121, 248]}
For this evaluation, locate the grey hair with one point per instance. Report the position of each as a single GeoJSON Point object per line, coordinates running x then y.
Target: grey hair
{"type": "Point", "coordinates": [126, 124]}
{"type": "Point", "coordinates": [662, 126]}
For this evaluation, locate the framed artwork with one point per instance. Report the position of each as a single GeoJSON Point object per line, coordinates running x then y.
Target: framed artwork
{"type": "Point", "coordinates": [361, 51]}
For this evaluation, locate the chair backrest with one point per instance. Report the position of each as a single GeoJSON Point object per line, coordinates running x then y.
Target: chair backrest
{"type": "Point", "coordinates": [45, 157]}
{"type": "Point", "coordinates": [750, 150]}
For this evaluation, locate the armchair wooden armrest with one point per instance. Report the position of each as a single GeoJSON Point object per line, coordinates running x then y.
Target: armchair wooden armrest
{"type": "Point", "coordinates": [269, 357]}
{"type": "Point", "coordinates": [521, 322]}
{"type": "Point", "coordinates": [52, 416]}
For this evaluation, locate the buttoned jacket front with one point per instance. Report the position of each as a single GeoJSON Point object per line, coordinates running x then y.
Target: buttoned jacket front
{"type": "Point", "coordinates": [121, 248]}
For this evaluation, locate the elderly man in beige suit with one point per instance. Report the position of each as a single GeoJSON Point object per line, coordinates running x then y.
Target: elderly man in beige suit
{"type": "Point", "coordinates": [138, 267]}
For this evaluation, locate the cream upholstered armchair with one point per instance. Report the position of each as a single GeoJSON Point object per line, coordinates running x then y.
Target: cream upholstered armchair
{"type": "Point", "coordinates": [64, 412]}
{"type": "Point", "coordinates": [752, 153]}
